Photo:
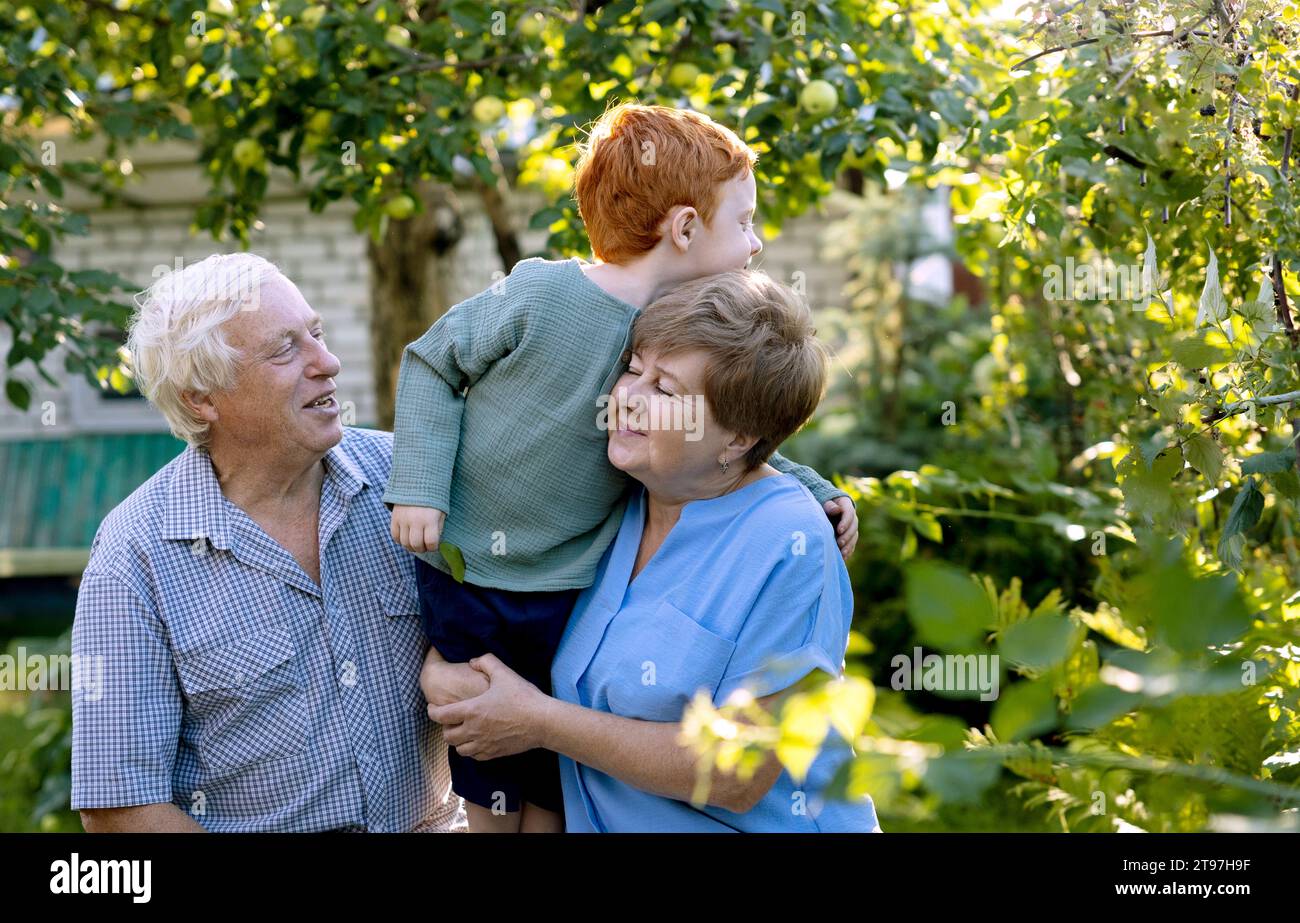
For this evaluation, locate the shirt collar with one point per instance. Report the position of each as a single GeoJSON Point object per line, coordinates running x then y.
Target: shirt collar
{"type": "Point", "coordinates": [196, 507]}
{"type": "Point", "coordinates": [195, 504]}
{"type": "Point", "coordinates": [344, 471]}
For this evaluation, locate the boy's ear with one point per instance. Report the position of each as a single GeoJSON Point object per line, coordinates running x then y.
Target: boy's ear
{"type": "Point", "coordinates": [683, 225]}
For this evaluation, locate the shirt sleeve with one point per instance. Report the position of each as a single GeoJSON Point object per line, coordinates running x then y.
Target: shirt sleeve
{"type": "Point", "coordinates": [821, 489]}
{"type": "Point", "coordinates": [798, 623]}
{"type": "Point", "coordinates": [126, 701]}
{"type": "Point", "coordinates": [435, 372]}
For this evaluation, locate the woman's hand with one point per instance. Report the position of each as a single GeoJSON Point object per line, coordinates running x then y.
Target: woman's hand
{"type": "Point", "coordinates": [444, 683]}
{"type": "Point", "coordinates": [504, 720]}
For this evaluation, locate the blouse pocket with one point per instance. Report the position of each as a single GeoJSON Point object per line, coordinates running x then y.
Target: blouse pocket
{"type": "Point", "coordinates": [248, 700]}
{"type": "Point", "coordinates": [667, 657]}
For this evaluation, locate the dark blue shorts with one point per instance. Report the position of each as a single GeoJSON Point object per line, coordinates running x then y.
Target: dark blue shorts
{"type": "Point", "coordinates": [523, 630]}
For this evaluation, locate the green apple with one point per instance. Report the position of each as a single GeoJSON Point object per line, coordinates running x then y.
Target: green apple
{"type": "Point", "coordinates": [488, 110]}
{"type": "Point", "coordinates": [312, 16]}
{"type": "Point", "coordinates": [397, 35]}
{"type": "Point", "coordinates": [683, 75]}
{"type": "Point", "coordinates": [819, 98]}
{"type": "Point", "coordinates": [283, 47]}
{"type": "Point", "coordinates": [319, 123]}
{"type": "Point", "coordinates": [400, 207]}
{"type": "Point", "coordinates": [248, 153]}
{"type": "Point", "coordinates": [532, 26]}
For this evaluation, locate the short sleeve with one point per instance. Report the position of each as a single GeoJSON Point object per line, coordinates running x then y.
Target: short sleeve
{"type": "Point", "coordinates": [126, 700]}
{"type": "Point", "coordinates": [799, 623]}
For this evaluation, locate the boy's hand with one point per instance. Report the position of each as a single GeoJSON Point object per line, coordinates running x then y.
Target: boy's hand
{"type": "Point", "coordinates": [444, 683]}
{"type": "Point", "coordinates": [417, 528]}
{"type": "Point", "coordinates": [844, 516]}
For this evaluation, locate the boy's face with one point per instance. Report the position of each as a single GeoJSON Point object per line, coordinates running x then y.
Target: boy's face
{"type": "Point", "coordinates": [728, 242]}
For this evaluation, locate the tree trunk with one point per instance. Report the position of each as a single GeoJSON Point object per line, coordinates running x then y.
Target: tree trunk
{"type": "Point", "coordinates": [410, 271]}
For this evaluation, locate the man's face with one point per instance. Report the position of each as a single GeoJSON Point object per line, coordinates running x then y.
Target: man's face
{"type": "Point", "coordinates": [728, 241]}
{"type": "Point", "coordinates": [284, 387]}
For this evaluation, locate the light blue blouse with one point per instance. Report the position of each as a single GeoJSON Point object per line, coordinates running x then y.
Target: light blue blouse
{"type": "Point", "coordinates": [740, 581]}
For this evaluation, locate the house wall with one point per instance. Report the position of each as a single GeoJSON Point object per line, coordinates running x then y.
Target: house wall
{"type": "Point", "coordinates": [322, 254]}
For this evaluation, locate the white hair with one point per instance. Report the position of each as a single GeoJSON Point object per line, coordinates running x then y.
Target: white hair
{"type": "Point", "coordinates": [175, 339]}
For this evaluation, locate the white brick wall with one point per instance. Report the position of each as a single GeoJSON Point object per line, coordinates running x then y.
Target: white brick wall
{"type": "Point", "coordinates": [326, 258]}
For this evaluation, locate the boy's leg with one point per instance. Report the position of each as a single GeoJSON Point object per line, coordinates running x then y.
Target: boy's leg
{"type": "Point", "coordinates": [482, 820]}
{"type": "Point", "coordinates": [539, 820]}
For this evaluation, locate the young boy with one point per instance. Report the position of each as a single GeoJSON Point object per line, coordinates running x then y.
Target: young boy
{"type": "Point", "coordinates": [497, 446]}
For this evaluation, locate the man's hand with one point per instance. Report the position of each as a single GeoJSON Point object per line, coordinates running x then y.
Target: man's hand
{"type": "Point", "coordinates": [417, 528]}
{"type": "Point", "coordinates": [844, 516]}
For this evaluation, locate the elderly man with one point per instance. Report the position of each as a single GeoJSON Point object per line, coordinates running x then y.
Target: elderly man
{"type": "Point", "coordinates": [259, 626]}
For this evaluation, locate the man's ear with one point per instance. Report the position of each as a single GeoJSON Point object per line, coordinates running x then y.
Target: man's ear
{"type": "Point", "coordinates": [200, 405]}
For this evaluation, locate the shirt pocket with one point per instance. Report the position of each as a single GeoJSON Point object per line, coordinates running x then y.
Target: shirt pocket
{"type": "Point", "coordinates": [248, 700]}
{"type": "Point", "coordinates": [666, 657]}
{"type": "Point", "coordinates": [406, 635]}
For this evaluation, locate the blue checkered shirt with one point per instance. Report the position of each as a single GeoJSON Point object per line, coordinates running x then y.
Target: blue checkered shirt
{"type": "Point", "coordinates": [237, 688]}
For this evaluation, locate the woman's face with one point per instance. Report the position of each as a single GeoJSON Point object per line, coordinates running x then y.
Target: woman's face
{"type": "Point", "coordinates": [661, 430]}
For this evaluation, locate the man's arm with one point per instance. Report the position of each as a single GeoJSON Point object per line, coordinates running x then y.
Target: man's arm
{"type": "Point", "coordinates": [126, 711]}
{"type": "Point", "coordinates": [144, 818]}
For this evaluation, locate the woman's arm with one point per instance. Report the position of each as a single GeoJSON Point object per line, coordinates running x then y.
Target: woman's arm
{"type": "Point", "coordinates": [514, 716]}
{"type": "Point", "coordinates": [646, 754]}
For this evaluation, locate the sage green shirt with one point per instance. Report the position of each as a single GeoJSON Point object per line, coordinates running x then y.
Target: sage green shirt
{"type": "Point", "coordinates": [497, 425]}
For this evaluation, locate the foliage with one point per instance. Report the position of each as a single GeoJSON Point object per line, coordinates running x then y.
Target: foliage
{"type": "Point", "coordinates": [36, 740]}
{"type": "Point", "coordinates": [367, 101]}
{"type": "Point", "coordinates": [1117, 466]}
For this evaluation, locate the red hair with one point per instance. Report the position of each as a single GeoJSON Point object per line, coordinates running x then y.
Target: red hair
{"type": "Point", "coordinates": [640, 161]}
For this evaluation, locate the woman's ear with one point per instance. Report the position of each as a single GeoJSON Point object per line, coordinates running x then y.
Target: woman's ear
{"type": "Point", "coordinates": [740, 444]}
{"type": "Point", "coordinates": [200, 405]}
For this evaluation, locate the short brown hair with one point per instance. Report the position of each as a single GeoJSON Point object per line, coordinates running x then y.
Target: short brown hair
{"type": "Point", "coordinates": [766, 370]}
{"type": "Point", "coordinates": [622, 198]}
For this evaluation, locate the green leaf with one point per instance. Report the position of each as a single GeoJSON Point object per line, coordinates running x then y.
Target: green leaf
{"type": "Point", "coordinates": [1246, 509]}
{"type": "Point", "coordinates": [907, 550]}
{"type": "Point", "coordinates": [1187, 612]}
{"type": "Point", "coordinates": [1098, 705]}
{"type": "Point", "coordinates": [19, 394]}
{"type": "Point", "coordinates": [1040, 642]}
{"type": "Point", "coordinates": [1205, 455]}
{"type": "Point", "coordinates": [1024, 710]}
{"type": "Point", "coordinates": [1194, 352]}
{"type": "Point", "coordinates": [1287, 483]}
{"type": "Point", "coordinates": [848, 706]}
{"type": "Point", "coordinates": [455, 560]}
{"type": "Point", "coordinates": [928, 527]}
{"type": "Point", "coordinates": [1269, 462]}
{"type": "Point", "coordinates": [950, 611]}
{"type": "Point", "coordinates": [1148, 491]}
{"type": "Point", "coordinates": [962, 777]}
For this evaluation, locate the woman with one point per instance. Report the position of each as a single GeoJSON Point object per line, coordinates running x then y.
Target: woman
{"type": "Point", "coordinates": [725, 575]}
